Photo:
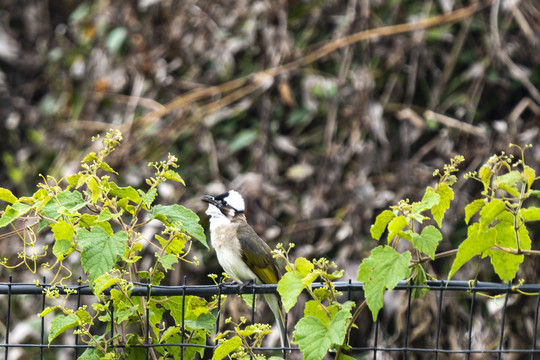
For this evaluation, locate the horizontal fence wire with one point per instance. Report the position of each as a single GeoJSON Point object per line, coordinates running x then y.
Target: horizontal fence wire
{"type": "Point", "coordinates": [454, 320]}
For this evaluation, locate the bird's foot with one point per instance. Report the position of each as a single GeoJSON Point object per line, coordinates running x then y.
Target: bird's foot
{"type": "Point", "coordinates": [244, 284]}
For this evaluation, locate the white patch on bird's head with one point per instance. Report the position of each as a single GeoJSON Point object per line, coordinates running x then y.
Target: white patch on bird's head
{"type": "Point", "coordinates": [235, 200]}
{"type": "Point", "coordinates": [217, 218]}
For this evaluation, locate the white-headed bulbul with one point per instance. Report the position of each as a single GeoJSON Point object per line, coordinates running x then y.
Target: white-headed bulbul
{"type": "Point", "coordinates": [240, 251]}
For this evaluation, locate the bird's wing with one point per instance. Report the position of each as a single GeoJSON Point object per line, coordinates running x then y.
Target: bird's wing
{"type": "Point", "coordinates": [258, 255]}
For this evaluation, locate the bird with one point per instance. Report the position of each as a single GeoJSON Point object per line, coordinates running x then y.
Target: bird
{"type": "Point", "coordinates": [243, 255]}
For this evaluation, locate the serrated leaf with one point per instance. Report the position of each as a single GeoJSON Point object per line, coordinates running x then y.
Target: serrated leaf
{"type": "Point", "coordinates": [106, 167]}
{"type": "Point", "coordinates": [315, 338]}
{"type": "Point", "coordinates": [529, 174]}
{"type": "Point", "coordinates": [94, 189]}
{"type": "Point", "coordinates": [227, 347]}
{"type": "Point", "coordinates": [99, 250]}
{"type": "Point", "coordinates": [491, 210]}
{"type": "Point", "coordinates": [485, 176]}
{"type": "Point", "coordinates": [446, 195]}
{"type": "Point", "coordinates": [430, 199]}
{"type": "Point", "coordinates": [382, 271]}
{"type": "Point", "coordinates": [316, 309]}
{"type": "Point", "coordinates": [167, 261]}
{"type": "Point", "coordinates": [289, 287]}
{"type": "Point", "coordinates": [149, 197]}
{"type": "Point", "coordinates": [510, 179]}
{"type": "Point", "coordinates": [91, 156]}
{"type": "Point", "coordinates": [530, 214]}
{"type": "Point", "coordinates": [182, 219]}
{"type": "Point", "coordinates": [174, 176]}
{"type": "Point", "coordinates": [62, 248]}
{"type": "Point", "coordinates": [505, 265]}
{"type": "Point", "coordinates": [478, 241]}
{"type": "Point", "coordinates": [303, 265]}
{"type": "Point", "coordinates": [62, 323]}
{"type": "Point", "coordinates": [7, 196]}
{"type": "Point", "coordinates": [419, 278]}
{"type": "Point", "coordinates": [535, 193]}
{"type": "Point", "coordinates": [102, 283]}
{"type": "Point", "coordinates": [427, 241]}
{"type": "Point", "coordinates": [62, 230]}
{"type": "Point", "coordinates": [395, 227]}
{"type": "Point", "coordinates": [48, 310]}
{"type": "Point", "coordinates": [473, 208]}
{"type": "Point", "coordinates": [13, 212]}
{"type": "Point", "coordinates": [127, 192]}
{"type": "Point", "coordinates": [382, 220]}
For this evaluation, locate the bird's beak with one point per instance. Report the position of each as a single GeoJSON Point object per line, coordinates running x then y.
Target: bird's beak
{"type": "Point", "coordinates": [209, 199]}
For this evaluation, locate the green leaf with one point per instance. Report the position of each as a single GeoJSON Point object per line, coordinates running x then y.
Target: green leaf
{"type": "Point", "coordinates": [174, 176]}
{"type": "Point", "coordinates": [103, 282]}
{"type": "Point", "coordinates": [182, 219]}
{"type": "Point", "coordinates": [127, 192]}
{"type": "Point", "coordinates": [106, 167]}
{"type": "Point", "coordinates": [473, 208]}
{"type": "Point", "coordinates": [90, 354]}
{"type": "Point", "coordinates": [99, 250]}
{"type": "Point", "coordinates": [491, 210]}
{"type": "Point", "coordinates": [227, 347]}
{"type": "Point", "coordinates": [505, 265]}
{"type": "Point", "coordinates": [175, 245]}
{"type": "Point", "coordinates": [314, 338]}
{"type": "Point", "coordinates": [13, 212]}
{"type": "Point", "coordinates": [529, 174]}
{"type": "Point", "coordinates": [430, 199]}
{"type": "Point", "coordinates": [446, 195]}
{"type": "Point", "coordinates": [149, 197]}
{"type": "Point", "coordinates": [7, 196]}
{"type": "Point", "coordinates": [289, 287]}
{"type": "Point", "coordinates": [419, 278]}
{"type": "Point", "coordinates": [382, 271]}
{"type": "Point", "coordinates": [62, 323]}
{"type": "Point", "coordinates": [316, 309]}
{"type": "Point", "coordinates": [167, 261]}
{"type": "Point", "coordinates": [94, 189]}
{"type": "Point", "coordinates": [510, 179]}
{"type": "Point", "coordinates": [427, 241]}
{"type": "Point", "coordinates": [303, 266]}
{"type": "Point", "coordinates": [485, 176]}
{"type": "Point", "coordinates": [395, 227]}
{"type": "Point", "coordinates": [62, 248]}
{"type": "Point", "coordinates": [243, 139]}
{"type": "Point", "coordinates": [91, 156]}
{"type": "Point", "coordinates": [530, 214]}
{"type": "Point", "coordinates": [478, 240]}
{"type": "Point", "coordinates": [62, 230]}
{"type": "Point", "coordinates": [381, 222]}
{"type": "Point", "coordinates": [66, 202]}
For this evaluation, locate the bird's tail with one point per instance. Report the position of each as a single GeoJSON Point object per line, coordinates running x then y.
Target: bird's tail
{"type": "Point", "coordinates": [276, 306]}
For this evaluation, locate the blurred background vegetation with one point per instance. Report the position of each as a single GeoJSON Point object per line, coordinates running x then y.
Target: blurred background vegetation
{"type": "Point", "coordinates": [318, 149]}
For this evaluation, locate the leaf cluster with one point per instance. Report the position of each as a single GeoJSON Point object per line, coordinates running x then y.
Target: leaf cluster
{"type": "Point", "coordinates": [97, 222]}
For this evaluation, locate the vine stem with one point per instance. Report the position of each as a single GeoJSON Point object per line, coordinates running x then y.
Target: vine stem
{"type": "Point", "coordinates": [349, 326]}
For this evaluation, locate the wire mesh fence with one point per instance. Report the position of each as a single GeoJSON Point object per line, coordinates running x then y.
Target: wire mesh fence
{"type": "Point", "coordinates": [453, 320]}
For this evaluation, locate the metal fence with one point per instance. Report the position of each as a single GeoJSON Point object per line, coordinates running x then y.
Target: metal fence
{"type": "Point", "coordinates": [453, 320]}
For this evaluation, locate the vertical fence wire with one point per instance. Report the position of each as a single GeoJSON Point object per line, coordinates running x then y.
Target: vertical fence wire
{"type": "Point", "coordinates": [8, 316]}
{"type": "Point", "coordinates": [42, 332]}
{"type": "Point", "coordinates": [503, 317]}
{"type": "Point", "coordinates": [76, 341]}
{"type": "Point", "coordinates": [535, 328]}
{"type": "Point", "coordinates": [183, 327]}
{"type": "Point", "coordinates": [471, 313]}
{"type": "Point", "coordinates": [407, 323]}
{"type": "Point", "coordinates": [438, 324]}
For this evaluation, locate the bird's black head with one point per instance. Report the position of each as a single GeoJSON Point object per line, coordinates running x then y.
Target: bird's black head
{"type": "Point", "coordinates": [229, 204]}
